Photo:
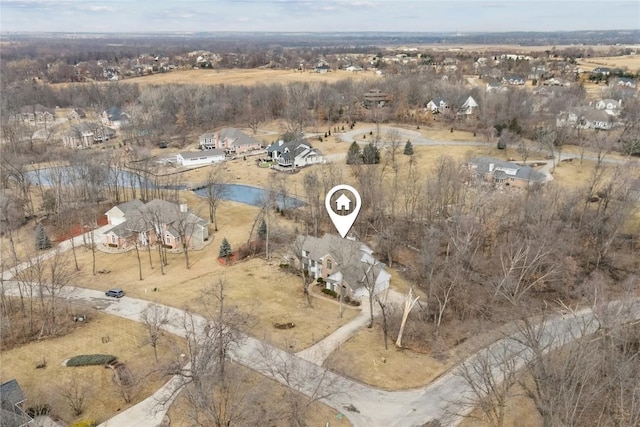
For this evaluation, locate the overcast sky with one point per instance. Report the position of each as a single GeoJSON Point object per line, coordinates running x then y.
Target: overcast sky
{"type": "Point", "coordinates": [317, 15]}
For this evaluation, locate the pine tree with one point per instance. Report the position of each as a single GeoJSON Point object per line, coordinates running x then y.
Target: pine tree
{"type": "Point", "coordinates": [262, 230]}
{"type": "Point", "coordinates": [408, 148]}
{"type": "Point", "coordinates": [354, 155]}
{"type": "Point", "coordinates": [225, 249]}
{"type": "Point", "coordinates": [42, 240]}
{"type": "Point", "coordinates": [371, 155]}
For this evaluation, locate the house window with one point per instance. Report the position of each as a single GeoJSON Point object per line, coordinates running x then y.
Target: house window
{"type": "Point", "coordinates": [329, 264]}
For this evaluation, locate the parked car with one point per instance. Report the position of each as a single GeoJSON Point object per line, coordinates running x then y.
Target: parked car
{"type": "Point", "coordinates": [116, 293]}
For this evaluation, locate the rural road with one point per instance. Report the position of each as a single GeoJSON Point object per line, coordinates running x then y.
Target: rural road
{"type": "Point", "coordinates": [371, 407]}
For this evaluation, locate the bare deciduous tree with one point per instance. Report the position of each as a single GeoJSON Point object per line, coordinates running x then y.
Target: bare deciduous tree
{"type": "Point", "coordinates": [155, 318]}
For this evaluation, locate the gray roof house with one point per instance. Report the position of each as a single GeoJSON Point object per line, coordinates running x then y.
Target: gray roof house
{"type": "Point", "coordinates": [503, 172]}
{"type": "Point", "coordinates": [294, 154]}
{"type": "Point", "coordinates": [345, 265]}
{"type": "Point", "coordinates": [230, 140]}
{"type": "Point", "coordinates": [115, 117]}
{"type": "Point", "coordinates": [11, 400]}
{"type": "Point", "coordinates": [147, 223]}
{"type": "Point", "coordinates": [85, 134]}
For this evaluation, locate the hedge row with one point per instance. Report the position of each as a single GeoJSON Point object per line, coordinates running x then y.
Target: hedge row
{"type": "Point", "coordinates": [91, 359]}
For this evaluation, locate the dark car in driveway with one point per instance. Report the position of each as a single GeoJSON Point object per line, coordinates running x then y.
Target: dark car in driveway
{"type": "Point", "coordinates": [116, 293]}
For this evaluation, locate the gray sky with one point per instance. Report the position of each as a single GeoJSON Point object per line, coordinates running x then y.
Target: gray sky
{"type": "Point", "coordinates": [317, 15]}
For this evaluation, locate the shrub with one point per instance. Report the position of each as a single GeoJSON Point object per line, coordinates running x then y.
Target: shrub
{"type": "Point", "coordinates": [284, 266]}
{"type": "Point", "coordinates": [91, 359]}
{"type": "Point", "coordinates": [38, 410]}
{"type": "Point", "coordinates": [85, 423]}
{"type": "Point", "coordinates": [330, 292]}
{"type": "Point", "coordinates": [320, 280]}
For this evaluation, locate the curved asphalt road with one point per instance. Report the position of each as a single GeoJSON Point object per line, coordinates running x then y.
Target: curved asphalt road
{"type": "Point", "coordinates": [374, 407]}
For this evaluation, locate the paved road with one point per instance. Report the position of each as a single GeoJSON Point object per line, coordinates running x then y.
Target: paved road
{"type": "Point", "coordinates": [375, 407]}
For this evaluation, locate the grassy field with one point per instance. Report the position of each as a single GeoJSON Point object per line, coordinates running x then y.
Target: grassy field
{"type": "Point", "coordinates": [257, 287]}
{"type": "Point", "coordinates": [246, 77]}
{"type": "Point", "coordinates": [126, 341]}
{"type": "Point", "coordinates": [364, 358]}
{"type": "Point", "coordinates": [629, 62]}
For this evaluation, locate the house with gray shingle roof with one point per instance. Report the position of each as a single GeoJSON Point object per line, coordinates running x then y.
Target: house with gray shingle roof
{"type": "Point", "coordinates": [294, 154]}
{"type": "Point", "coordinates": [85, 134]}
{"type": "Point", "coordinates": [158, 221]}
{"type": "Point", "coordinates": [11, 401]}
{"type": "Point", "coordinates": [507, 173]}
{"type": "Point", "coordinates": [229, 140]}
{"type": "Point", "coordinates": [116, 118]}
{"type": "Point", "coordinates": [345, 265]}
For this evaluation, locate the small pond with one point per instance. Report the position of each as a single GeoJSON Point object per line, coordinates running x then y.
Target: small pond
{"type": "Point", "coordinates": [253, 196]}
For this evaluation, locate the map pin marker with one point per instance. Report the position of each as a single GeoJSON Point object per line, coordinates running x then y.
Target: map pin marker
{"type": "Point", "coordinates": [347, 207]}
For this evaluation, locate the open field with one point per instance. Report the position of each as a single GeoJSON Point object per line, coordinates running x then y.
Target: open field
{"type": "Point", "coordinates": [246, 77]}
{"type": "Point", "coordinates": [126, 341]}
{"type": "Point", "coordinates": [256, 287]}
{"type": "Point", "coordinates": [629, 62]}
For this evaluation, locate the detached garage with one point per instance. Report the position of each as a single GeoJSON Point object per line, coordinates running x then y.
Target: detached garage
{"type": "Point", "coordinates": [196, 158]}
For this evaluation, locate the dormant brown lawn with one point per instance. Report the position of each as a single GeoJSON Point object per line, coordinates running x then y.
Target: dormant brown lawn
{"type": "Point", "coordinates": [102, 334]}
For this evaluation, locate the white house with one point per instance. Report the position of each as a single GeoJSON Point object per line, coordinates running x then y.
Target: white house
{"type": "Point", "coordinates": [197, 158]}
{"type": "Point", "coordinates": [437, 105]}
{"type": "Point", "coordinates": [468, 106]}
{"type": "Point", "coordinates": [294, 154]}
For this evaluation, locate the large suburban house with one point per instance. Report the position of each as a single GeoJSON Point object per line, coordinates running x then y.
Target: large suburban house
{"type": "Point", "coordinates": [230, 140]}
{"type": "Point", "coordinates": [501, 172]}
{"type": "Point", "coordinates": [76, 114]}
{"type": "Point", "coordinates": [36, 114]}
{"type": "Point", "coordinates": [437, 105]}
{"type": "Point", "coordinates": [345, 265]}
{"type": "Point", "coordinates": [198, 158]}
{"type": "Point", "coordinates": [585, 118]}
{"type": "Point", "coordinates": [294, 154]}
{"type": "Point", "coordinates": [12, 399]}
{"type": "Point", "coordinates": [376, 98]}
{"type": "Point", "coordinates": [85, 134]}
{"type": "Point", "coordinates": [143, 224]}
{"type": "Point", "coordinates": [114, 117]}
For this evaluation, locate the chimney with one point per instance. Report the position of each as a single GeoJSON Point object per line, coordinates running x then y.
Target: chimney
{"type": "Point", "coordinates": [491, 167]}
{"type": "Point", "coordinates": [183, 206]}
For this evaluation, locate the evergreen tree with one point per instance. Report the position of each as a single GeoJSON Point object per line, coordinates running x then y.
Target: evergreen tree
{"type": "Point", "coordinates": [371, 155]}
{"type": "Point", "coordinates": [225, 249]}
{"type": "Point", "coordinates": [408, 149]}
{"type": "Point", "coordinates": [42, 240]}
{"type": "Point", "coordinates": [354, 155]}
{"type": "Point", "coordinates": [262, 230]}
